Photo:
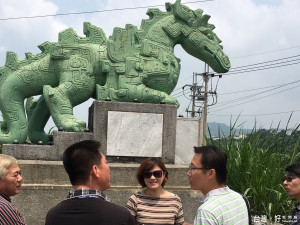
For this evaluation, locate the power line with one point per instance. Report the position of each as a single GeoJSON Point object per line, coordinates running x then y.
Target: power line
{"type": "Point", "coordinates": [270, 61]}
{"type": "Point", "coordinates": [236, 70]}
{"type": "Point", "coordinates": [262, 53]}
{"type": "Point", "coordinates": [269, 65]}
{"type": "Point", "coordinates": [179, 94]}
{"type": "Point", "coordinates": [91, 12]}
{"type": "Point", "coordinates": [263, 68]}
{"type": "Point", "coordinates": [258, 98]}
{"type": "Point", "coordinates": [255, 94]}
{"type": "Point", "coordinates": [255, 89]}
{"type": "Point", "coordinates": [273, 87]}
{"type": "Point", "coordinates": [262, 114]}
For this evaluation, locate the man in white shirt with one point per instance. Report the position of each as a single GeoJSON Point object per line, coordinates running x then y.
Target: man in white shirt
{"type": "Point", "coordinates": [208, 174]}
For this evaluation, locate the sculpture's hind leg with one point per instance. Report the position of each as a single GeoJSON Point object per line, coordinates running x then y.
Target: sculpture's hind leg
{"type": "Point", "coordinates": [77, 85]}
{"type": "Point", "coordinates": [26, 81]}
{"type": "Point", "coordinates": [14, 126]}
{"type": "Point", "coordinates": [38, 115]}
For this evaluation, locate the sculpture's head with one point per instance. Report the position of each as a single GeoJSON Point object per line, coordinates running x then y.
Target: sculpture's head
{"type": "Point", "coordinates": [196, 36]}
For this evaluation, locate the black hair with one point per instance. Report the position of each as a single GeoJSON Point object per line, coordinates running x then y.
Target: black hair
{"type": "Point", "coordinates": [79, 158]}
{"type": "Point", "coordinates": [293, 169]}
{"type": "Point", "coordinates": [214, 158]}
{"type": "Point", "coordinates": [147, 165]}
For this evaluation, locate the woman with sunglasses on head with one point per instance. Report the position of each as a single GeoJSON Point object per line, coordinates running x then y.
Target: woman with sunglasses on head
{"type": "Point", "coordinates": [153, 204]}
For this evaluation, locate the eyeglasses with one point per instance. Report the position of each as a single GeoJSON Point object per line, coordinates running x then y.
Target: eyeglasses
{"type": "Point", "coordinates": [288, 179]}
{"type": "Point", "coordinates": [191, 169]}
{"type": "Point", "coordinates": [156, 174]}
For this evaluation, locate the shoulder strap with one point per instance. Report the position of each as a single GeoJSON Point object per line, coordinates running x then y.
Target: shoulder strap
{"type": "Point", "coordinates": [248, 208]}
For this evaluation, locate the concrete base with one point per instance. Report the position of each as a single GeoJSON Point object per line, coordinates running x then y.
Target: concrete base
{"type": "Point", "coordinates": [98, 125]}
{"type": "Point", "coordinates": [46, 183]}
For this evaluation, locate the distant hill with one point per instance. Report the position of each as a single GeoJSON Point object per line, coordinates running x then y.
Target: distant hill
{"type": "Point", "coordinates": [223, 129]}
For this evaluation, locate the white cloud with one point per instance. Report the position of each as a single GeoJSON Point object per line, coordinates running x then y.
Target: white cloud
{"type": "Point", "coordinates": [24, 35]}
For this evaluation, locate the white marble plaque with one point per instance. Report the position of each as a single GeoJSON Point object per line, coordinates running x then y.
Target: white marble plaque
{"type": "Point", "coordinates": [134, 134]}
{"type": "Point", "coordinates": [186, 139]}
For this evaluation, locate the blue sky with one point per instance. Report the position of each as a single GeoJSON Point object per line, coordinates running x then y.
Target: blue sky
{"type": "Point", "coordinates": [252, 31]}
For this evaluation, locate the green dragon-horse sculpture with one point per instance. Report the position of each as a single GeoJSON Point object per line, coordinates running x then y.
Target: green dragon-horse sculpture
{"type": "Point", "coordinates": [131, 64]}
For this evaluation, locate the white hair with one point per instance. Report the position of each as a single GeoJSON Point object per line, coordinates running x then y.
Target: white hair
{"type": "Point", "coordinates": [6, 161]}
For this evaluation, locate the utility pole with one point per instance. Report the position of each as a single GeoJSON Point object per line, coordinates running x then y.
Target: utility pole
{"type": "Point", "coordinates": [200, 94]}
{"type": "Point", "coordinates": [200, 133]}
{"type": "Point", "coordinates": [195, 92]}
{"type": "Point", "coordinates": [204, 115]}
{"type": "Point", "coordinates": [194, 87]}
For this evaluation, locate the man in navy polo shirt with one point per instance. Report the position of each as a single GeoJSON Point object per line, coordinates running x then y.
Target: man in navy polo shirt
{"type": "Point", "coordinates": [89, 175]}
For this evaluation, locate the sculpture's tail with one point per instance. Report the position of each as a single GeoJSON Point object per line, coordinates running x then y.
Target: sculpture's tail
{"type": "Point", "coordinates": [6, 136]}
{"type": "Point", "coordinates": [12, 128]}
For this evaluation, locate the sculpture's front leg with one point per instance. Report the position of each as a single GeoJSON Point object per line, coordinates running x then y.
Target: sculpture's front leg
{"type": "Point", "coordinates": [130, 91]}
{"type": "Point", "coordinates": [76, 86]}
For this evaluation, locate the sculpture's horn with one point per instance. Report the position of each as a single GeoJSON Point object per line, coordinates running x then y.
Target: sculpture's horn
{"type": "Point", "coordinates": [179, 12]}
{"type": "Point", "coordinates": [198, 14]}
{"type": "Point", "coordinates": [186, 14]}
{"type": "Point", "coordinates": [204, 20]}
{"type": "Point", "coordinates": [168, 6]}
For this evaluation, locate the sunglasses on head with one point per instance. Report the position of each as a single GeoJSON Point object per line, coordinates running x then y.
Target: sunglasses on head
{"type": "Point", "coordinates": [156, 174]}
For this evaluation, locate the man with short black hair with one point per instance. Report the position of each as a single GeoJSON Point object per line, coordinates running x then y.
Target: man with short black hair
{"type": "Point", "coordinates": [291, 183]}
{"type": "Point", "coordinates": [10, 185]}
{"type": "Point", "coordinates": [89, 175]}
{"type": "Point", "coordinates": [220, 205]}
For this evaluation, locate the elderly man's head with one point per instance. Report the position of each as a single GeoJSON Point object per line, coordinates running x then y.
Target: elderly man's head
{"type": "Point", "coordinates": [10, 176]}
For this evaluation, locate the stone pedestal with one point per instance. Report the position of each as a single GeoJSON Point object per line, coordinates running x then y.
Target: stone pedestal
{"type": "Point", "coordinates": [134, 131]}
{"type": "Point", "coordinates": [128, 132]}
{"type": "Point", "coordinates": [45, 183]}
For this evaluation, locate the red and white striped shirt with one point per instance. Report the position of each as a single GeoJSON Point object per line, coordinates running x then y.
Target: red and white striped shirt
{"type": "Point", "coordinates": [8, 213]}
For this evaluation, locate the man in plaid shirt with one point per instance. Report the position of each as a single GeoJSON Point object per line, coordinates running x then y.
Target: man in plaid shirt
{"type": "Point", "coordinates": [86, 204]}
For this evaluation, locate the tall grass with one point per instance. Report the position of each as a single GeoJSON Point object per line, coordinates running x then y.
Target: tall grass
{"type": "Point", "coordinates": [256, 168]}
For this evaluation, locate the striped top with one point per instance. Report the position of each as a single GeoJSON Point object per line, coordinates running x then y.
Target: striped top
{"type": "Point", "coordinates": [222, 206]}
{"type": "Point", "coordinates": [153, 210]}
{"type": "Point", "coordinates": [8, 213]}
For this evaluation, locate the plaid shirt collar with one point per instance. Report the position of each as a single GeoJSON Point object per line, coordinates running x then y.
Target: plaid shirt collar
{"type": "Point", "coordinates": [87, 193]}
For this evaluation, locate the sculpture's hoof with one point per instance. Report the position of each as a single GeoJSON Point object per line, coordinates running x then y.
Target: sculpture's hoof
{"type": "Point", "coordinates": [72, 125]}
{"type": "Point", "coordinates": [172, 101]}
{"type": "Point", "coordinates": [38, 137]}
